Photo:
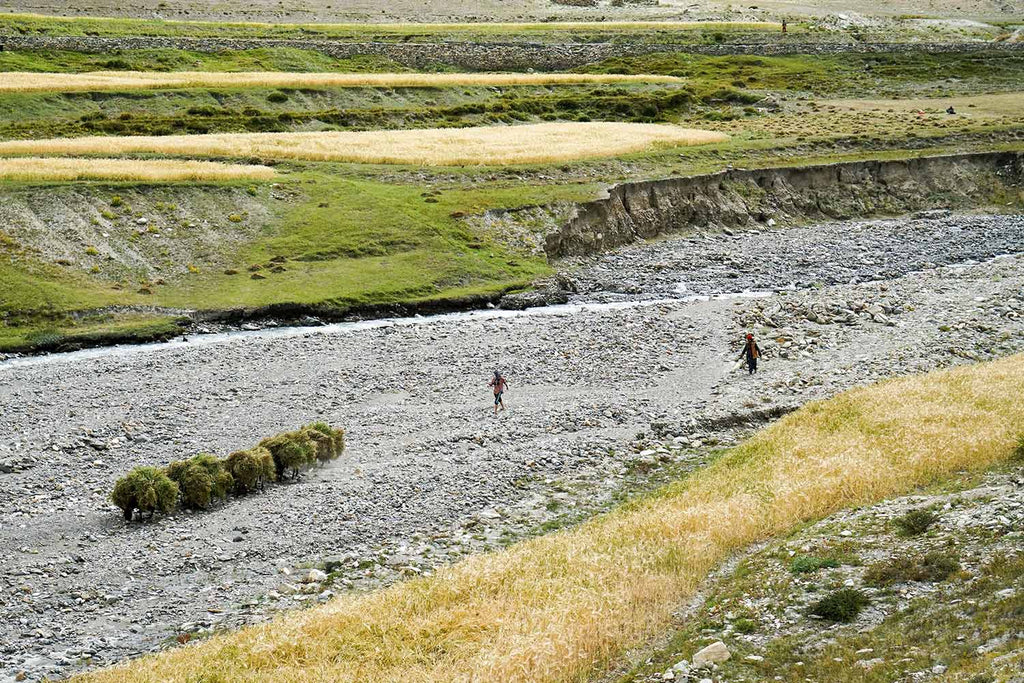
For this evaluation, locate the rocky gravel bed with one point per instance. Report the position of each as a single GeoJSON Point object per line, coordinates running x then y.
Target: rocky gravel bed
{"type": "Point", "coordinates": [847, 252]}
{"type": "Point", "coordinates": [603, 400]}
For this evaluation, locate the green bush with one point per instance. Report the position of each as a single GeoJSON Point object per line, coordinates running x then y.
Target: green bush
{"type": "Point", "coordinates": [201, 479]}
{"type": "Point", "coordinates": [932, 567]}
{"type": "Point", "coordinates": [292, 452]}
{"type": "Point", "coordinates": [245, 469]}
{"type": "Point", "coordinates": [744, 626]}
{"type": "Point", "coordinates": [268, 471]}
{"type": "Point", "coordinates": [915, 522]}
{"type": "Point", "coordinates": [330, 443]}
{"type": "Point", "coordinates": [842, 605]}
{"type": "Point", "coordinates": [145, 489]}
{"type": "Point", "coordinates": [807, 564]}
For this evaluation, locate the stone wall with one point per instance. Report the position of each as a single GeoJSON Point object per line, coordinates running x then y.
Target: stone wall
{"type": "Point", "coordinates": [488, 56]}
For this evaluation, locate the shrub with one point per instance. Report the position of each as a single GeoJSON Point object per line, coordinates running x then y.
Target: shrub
{"type": "Point", "coordinates": [932, 567]}
{"type": "Point", "coordinates": [292, 452]}
{"type": "Point", "coordinates": [201, 480]}
{"type": "Point", "coordinates": [842, 605]}
{"type": "Point", "coordinates": [267, 469]}
{"type": "Point", "coordinates": [744, 626]}
{"type": "Point", "coordinates": [277, 97]}
{"type": "Point", "coordinates": [145, 489]}
{"type": "Point", "coordinates": [330, 442]}
{"type": "Point", "coordinates": [323, 443]}
{"type": "Point", "coordinates": [807, 564]}
{"type": "Point", "coordinates": [1018, 452]}
{"type": "Point", "coordinates": [245, 469]}
{"type": "Point", "coordinates": [915, 522]}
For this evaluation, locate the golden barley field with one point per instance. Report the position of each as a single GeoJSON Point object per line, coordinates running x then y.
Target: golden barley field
{"type": "Point", "coordinates": [155, 170]}
{"type": "Point", "coordinates": [558, 607]}
{"type": "Point", "coordinates": [24, 81]}
{"type": "Point", "coordinates": [485, 145]}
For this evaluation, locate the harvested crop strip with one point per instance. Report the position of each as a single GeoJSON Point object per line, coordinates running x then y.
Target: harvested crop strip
{"type": "Point", "coordinates": [21, 81]}
{"type": "Point", "coordinates": [490, 145]}
{"type": "Point", "coordinates": [156, 170]}
{"type": "Point", "coordinates": [557, 607]}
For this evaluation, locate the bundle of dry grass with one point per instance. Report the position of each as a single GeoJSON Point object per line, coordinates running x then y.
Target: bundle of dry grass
{"type": "Point", "coordinates": [155, 170]}
{"type": "Point", "coordinates": [490, 145]}
{"type": "Point", "coordinates": [558, 607]}
{"type": "Point", "coordinates": [19, 81]}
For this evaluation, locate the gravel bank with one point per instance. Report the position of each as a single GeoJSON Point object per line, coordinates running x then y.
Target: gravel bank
{"type": "Point", "coordinates": [600, 399]}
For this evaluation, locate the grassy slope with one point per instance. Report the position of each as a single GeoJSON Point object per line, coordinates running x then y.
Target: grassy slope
{"type": "Point", "coordinates": [557, 607]}
{"type": "Point", "coordinates": [956, 615]}
{"type": "Point", "coordinates": [345, 241]}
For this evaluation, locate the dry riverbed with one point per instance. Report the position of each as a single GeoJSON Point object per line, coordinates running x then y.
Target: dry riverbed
{"type": "Point", "coordinates": [603, 401]}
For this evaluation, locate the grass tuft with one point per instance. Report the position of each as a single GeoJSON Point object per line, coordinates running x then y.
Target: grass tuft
{"type": "Point", "coordinates": [807, 564]}
{"type": "Point", "coordinates": [932, 567]}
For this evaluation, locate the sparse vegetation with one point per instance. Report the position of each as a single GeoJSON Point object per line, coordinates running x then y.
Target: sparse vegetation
{"type": "Point", "coordinates": [138, 80]}
{"type": "Point", "coordinates": [149, 170]}
{"type": "Point", "coordinates": [1018, 453]}
{"type": "Point", "coordinates": [806, 564]}
{"type": "Point", "coordinates": [931, 567]}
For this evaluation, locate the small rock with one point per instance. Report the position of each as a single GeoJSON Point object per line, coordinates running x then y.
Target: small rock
{"type": "Point", "coordinates": [314, 576]}
{"type": "Point", "coordinates": [712, 654]}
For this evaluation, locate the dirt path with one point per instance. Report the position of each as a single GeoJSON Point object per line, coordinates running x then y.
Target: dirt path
{"type": "Point", "coordinates": [429, 475]}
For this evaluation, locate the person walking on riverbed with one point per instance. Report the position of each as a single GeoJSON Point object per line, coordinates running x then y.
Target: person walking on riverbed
{"type": "Point", "coordinates": [751, 352]}
{"type": "Point", "coordinates": [499, 384]}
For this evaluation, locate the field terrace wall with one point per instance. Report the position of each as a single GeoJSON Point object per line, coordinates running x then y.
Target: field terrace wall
{"type": "Point", "coordinates": [736, 198]}
{"type": "Point", "coordinates": [488, 56]}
